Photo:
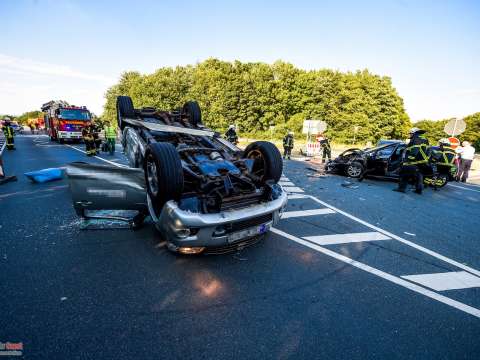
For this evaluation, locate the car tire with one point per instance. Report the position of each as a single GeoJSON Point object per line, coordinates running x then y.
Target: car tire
{"type": "Point", "coordinates": [192, 110]}
{"type": "Point", "coordinates": [125, 109]}
{"type": "Point", "coordinates": [441, 180]}
{"type": "Point", "coordinates": [354, 170]}
{"type": "Point", "coordinates": [163, 176]}
{"type": "Point", "coordinates": [268, 162]}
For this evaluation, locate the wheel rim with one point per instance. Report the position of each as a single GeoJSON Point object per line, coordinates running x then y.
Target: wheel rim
{"type": "Point", "coordinates": [152, 178]}
{"type": "Point", "coordinates": [354, 171]}
{"type": "Point", "coordinates": [440, 181]}
{"type": "Point", "coordinates": [258, 168]}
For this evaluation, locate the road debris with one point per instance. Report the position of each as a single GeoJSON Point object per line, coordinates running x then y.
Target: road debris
{"type": "Point", "coordinates": [349, 185]}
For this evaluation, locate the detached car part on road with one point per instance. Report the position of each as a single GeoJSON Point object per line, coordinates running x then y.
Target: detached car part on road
{"type": "Point", "coordinates": [202, 192]}
{"type": "Point", "coordinates": [383, 162]}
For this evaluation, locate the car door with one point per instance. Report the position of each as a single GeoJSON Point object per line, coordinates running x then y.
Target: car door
{"type": "Point", "coordinates": [395, 160]}
{"type": "Point", "coordinates": [101, 187]}
{"type": "Point", "coordinates": [380, 160]}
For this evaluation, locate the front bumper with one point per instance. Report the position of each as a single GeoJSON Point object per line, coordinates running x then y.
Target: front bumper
{"type": "Point", "coordinates": [69, 135]}
{"type": "Point", "coordinates": [205, 230]}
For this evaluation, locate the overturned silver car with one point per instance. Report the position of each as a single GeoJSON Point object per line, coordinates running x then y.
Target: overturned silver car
{"type": "Point", "coordinates": [203, 193]}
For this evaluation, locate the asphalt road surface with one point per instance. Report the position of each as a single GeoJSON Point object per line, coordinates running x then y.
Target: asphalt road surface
{"type": "Point", "coordinates": [352, 271]}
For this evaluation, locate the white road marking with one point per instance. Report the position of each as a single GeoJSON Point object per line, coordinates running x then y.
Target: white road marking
{"type": "Point", "coordinates": [398, 238]}
{"type": "Point", "coordinates": [292, 214]}
{"type": "Point", "coordinates": [286, 183]}
{"type": "Point", "coordinates": [463, 188]}
{"type": "Point", "coordinates": [346, 238]}
{"type": "Point", "coordinates": [446, 281]}
{"type": "Point", "coordinates": [297, 196]}
{"type": "Point", "coordinates": [292, 189]}
{"type": "Point", "coordinates": [283, 178]}
{"type": "Point", "coordinates": [394, 279]}
{"type": "Point", "coordinates": [99, 158]}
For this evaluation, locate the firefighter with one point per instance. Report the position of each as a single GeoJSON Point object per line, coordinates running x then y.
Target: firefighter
{"type": "Point", "coordinates": [326, 149]}
{"type": "Point", "coordinates": [415, 160]}
{"type": "Point", "coordinates": [9, 133]}
{"type": "Point", "coordinates": [231, 135]}
{"type": "Point", "coordinates": [96, 137]}
{"type": "Point", "coordinates": [288, 145]}
{"type": "Point", "coordinates": [89, 139]}
{"type": "Point", "coordinates": [110, 136]}
{"type": "Point", "coordinates": [443, 157]}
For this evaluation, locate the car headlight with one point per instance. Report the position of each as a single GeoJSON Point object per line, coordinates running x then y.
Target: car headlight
{"type": "Point", "coordinates": [181, 232]}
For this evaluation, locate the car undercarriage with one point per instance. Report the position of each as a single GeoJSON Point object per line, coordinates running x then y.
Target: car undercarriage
{"type": "Point", "coordinates": [199, 187]}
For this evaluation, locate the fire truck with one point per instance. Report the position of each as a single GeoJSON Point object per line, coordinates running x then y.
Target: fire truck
{"type": "Point", "coordinates": [64, 121]}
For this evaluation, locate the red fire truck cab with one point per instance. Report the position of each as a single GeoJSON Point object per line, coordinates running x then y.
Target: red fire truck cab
{"type": "Point", "coordinates": [64, 121]}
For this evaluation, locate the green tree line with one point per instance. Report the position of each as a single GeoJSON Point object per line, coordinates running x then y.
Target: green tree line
{"type": "Point", "coordinates": [22, 119]}
{"type": "Point", "coordinates": [256, 96]}
{"type": "Point", "coordinates": [435, 131]}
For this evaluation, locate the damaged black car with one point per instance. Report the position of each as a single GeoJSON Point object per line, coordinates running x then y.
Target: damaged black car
{"type": "Point", "coordinates": [384, 162]}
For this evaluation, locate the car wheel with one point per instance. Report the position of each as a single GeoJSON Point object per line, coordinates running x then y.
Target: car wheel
{"type": "Point", "coordinates": [440, 180]}
{"type": "Point", "coordinates": [354, 170]}
{"type": "Point", "coordinates": [125, 109]}
{"type": "Point", "coordinates": [192, 110]}
{"type": "Point", "coordinates": [268, 164]}
{"type": "Point", "coordinates": [163, 175]}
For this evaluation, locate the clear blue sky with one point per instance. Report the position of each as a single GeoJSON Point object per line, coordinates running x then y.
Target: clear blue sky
{"type": "Point", "coordinates": [75, 49]}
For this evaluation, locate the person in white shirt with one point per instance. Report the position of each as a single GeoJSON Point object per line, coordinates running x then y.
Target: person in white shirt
{"type": "Point", "coordinates": [467, 153]}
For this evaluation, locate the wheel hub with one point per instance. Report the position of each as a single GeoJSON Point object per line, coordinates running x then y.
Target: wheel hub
{"type": "Point", "coordinates": [152, 176]}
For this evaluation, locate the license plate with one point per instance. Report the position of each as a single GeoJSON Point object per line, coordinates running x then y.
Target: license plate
{"type": "Point", "coordinates": [257, 230]}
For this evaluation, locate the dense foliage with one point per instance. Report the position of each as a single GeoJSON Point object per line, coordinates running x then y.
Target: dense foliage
{"type": "Point", "coordinates": [255, 96]}
{"type": "Point", "coordinates": [435, 129]}
{"type": "Point", "coordinates": [22, 119]}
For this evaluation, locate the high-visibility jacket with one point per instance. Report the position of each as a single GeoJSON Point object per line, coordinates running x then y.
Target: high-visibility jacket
{"type": "Point", "coordinates": [110, 132]}
{"type": "Point", "coordinates": [288, 141]}
{"type": "Point", "coordinates": [444, 155]}
{"type": "Point", "coordinates": [416, 152]}
{"type": "Point", "coordinates": [8, 131]}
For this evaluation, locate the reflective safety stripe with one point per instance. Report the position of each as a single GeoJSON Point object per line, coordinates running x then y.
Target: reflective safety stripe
{"type": "Point", "coordinates": [446, 161]}
{"type": "Point", "coordinates": [416, 162]}
{"type": "Point", "coordinates": [412, 158]}
{"type": "Point", "coordinates": [8, 131]}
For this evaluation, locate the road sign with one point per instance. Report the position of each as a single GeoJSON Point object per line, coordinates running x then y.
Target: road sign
{"type": "Point", "coordinates": [455, 127]}
{"type": "Point", "coordinates": [454, 142]}
{"type": "Point", "coordinates": [314, 127]}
